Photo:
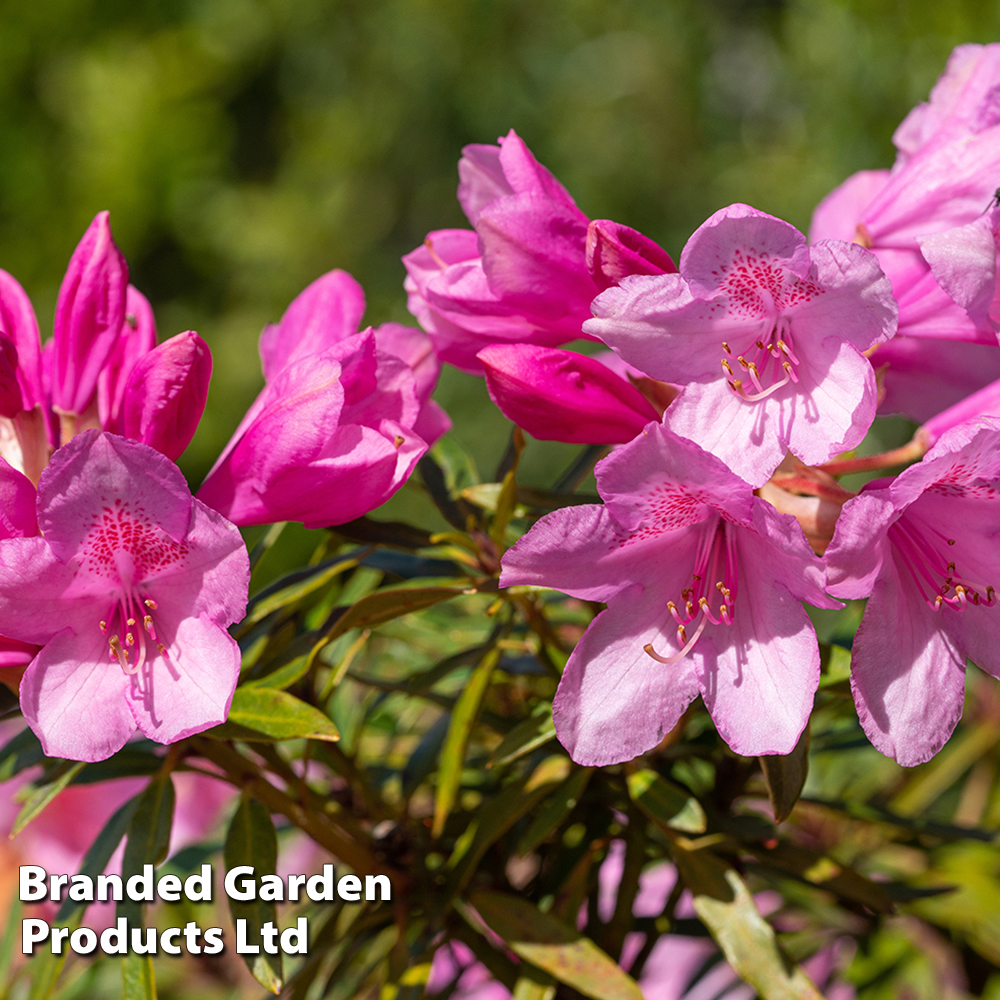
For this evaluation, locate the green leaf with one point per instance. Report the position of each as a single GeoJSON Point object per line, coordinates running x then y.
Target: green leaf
{"type": "Point", "coordinates": [533, 732]}
{"type": "Point", "coordinates": [395, 534]}
{"type": "Point", "coordinates": [40, 796]}
{"type": "Point", "coordinates": [496, 816]}
{"type": "Point", "coordinates": [20, 752]}
{"type": "Point", "coordinates": [560, 804]}
{"type": "Point", "coordinates": [148, 838]}
{"type": "Point", "coordinates": [98, 855]}
{"type": "Point", "coordinates": [837, 665]}
{"type": "Point", "coordinates": [296, 586]}
{"type": "Point", "coordinates": [285, 676]}
{"type": "Point", "coordinates": [267, 714]}
{"type": "Point", "coordinates": [826, 873]}
{"type": "Point", "coordinates": [666, 803]}
{"type": "Point", "coordinates": [251, 840]}
{"type": "Point", "coordinates": [785, 776]}
{"type": "Point", "coordinates": [463, 718]}
{"type": "Point", "coordinates": [728, 910]}
{"type": "Point", "coordinates": [554, 947]}
{"type": "Point", "coordinates": [386, 605]}
{"type": "Point", "coordinates": [138, 980]}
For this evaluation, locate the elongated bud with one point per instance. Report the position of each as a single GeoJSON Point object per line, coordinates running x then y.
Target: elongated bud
{"type": "Point", "coordinates": [984, 403]}
{"type": "Point", "coordinates": [89, 316]}
{"type": "Point", "coordinates": [136, 339]}
{"type": "Point", "coordinates": [17, 321]}
{"type": "Point", "coordinates": [615, 251]}
{"type": "Point", "coordinates": [561, 396]}
{"type": "Point", "coordinates": [11, 402]}
{"type": "Point", "coordinates": [166, 393]}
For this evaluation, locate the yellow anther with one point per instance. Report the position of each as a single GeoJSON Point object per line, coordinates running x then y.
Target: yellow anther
{"type": "Point", "coordinates": [725, 347]}
{"type": "Point", "coordinates": [152, 605]}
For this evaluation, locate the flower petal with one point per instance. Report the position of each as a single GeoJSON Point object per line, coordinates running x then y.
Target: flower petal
{"type": "Point", "coordinates": [614, 701]}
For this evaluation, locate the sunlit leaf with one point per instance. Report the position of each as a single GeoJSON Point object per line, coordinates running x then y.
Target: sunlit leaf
{"type": "Point", "coordinates": [265, 713]}
{"type": "Point", "coordinates": [40, 796]}
{"type": "Point", "coordinates": [463, 718]}
{"type": "Point", "coordinates": [666, 803]}
{"type": "Point", "coordinates": [554, 947]}
{"type": "Point", "coordinates": [138, 979]}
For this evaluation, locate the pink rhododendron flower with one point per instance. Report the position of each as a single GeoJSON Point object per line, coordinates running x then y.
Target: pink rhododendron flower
{"type": "Point", "coordinates": [703, 583]}
{"type": "Point", "coordinates": [328, 439]}
{"type": "Point", "coordinates": [924, 547]}
{"type": "Point", "coordinates": [329, 312]}
{"type": "Point", "coordinates": [557, 395]}
{"type": "Point", "coordinates": [765, 333]}
{"type": "Point", "coordinates": [531, 268]}
{"type": "Point", "coordinates": [128, 590]}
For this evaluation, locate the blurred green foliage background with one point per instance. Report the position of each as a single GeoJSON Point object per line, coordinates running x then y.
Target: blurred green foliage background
{"type": "Point", "coordinates": [244, 147]}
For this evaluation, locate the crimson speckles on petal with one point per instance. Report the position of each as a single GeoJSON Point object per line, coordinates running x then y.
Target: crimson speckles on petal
{"type": "Point", "coordinates": [703, 583]}
{"type": "Point", "coordinates": [766, 335]}
{"type": "Point", "coordinates": [128, 592]}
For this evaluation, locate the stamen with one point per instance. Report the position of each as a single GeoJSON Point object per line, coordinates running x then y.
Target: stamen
{"type": "Point", "coordinates": [129, 639]}
{"type": "Point", "coordinates": [688, 645]}
{"type": "Point", "coordinates": [726, 348]}
{"type": "Point", "coordinates": [163, 651]}
{"type": "Point", "coordinates": [103, 626]}
{"type": "Point", "coordinates": [151, 604]}
{"type": "Point", "coordinates": [147, 624]}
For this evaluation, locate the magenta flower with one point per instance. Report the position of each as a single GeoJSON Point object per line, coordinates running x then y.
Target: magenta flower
{"type": "Point", "coordinates": [327, 313]}
{"type": "Point", "coordinates": [765, 333]}
{"type": "Point", "coordinates": [101, 368]}
{"type": "Point", "coordinates": [531, 268]}
{"type": "Point", "coordinates": [329, 439]}
{"type": "Point", "coordinates": [924, 547]}
{"type": "Point", "coordinates": [128, 590]}
{"type": "Point", "coordinates": [557, 395]}
{"type": "Point", "coordinates": [703, 582]}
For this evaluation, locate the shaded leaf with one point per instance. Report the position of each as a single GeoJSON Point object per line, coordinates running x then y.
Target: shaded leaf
{"type": "Point", "coordinates": [666, 803]}
{"type": "Point", "coordinates": [20, 752]}
{"type": "Point", "coordinates": [251, 840]}
{"type": "Point", "coordinates": [819, 870]}
{"type": "Point", "coordinates": [533, 732]}
{"type": "Point", "coordinates": [298, 585]}
{"type": "Point", "coordinates": [559, 805]}
{"type": "Point", "coordinates": [392, 533]}
{"type": "Point", "coordinates": [148, 838]}
{"type": "Point", "coordinates": [785, 776]}
{"type": "Point", "coordinates": [554, 947]}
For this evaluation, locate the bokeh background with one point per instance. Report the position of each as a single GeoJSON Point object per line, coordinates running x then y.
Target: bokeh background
{"type": "Point", "coordinates": [244, 147]}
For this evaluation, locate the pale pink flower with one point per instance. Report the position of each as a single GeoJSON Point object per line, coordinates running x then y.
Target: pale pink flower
{"type": "Point", "coordinates": [703, 583]}
{"type": "Point", "coordinates": [924, 547]}
{"type": "Point", "coordinates": [765, 333]}
{"type": "Point", "coordinates": [128, 590]}
{"type": "Point", "coordinates": [922, 217]}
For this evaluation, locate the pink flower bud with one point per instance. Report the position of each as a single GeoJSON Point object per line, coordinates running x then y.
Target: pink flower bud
{"type": "Point", "coordinates": [166, 393]}
{"type": "Point", "coordinates": [614, 251]}
{"type": "Point", "coordinates": [89, 314]}
{"type": "Point", "coordinates": [561, 396]}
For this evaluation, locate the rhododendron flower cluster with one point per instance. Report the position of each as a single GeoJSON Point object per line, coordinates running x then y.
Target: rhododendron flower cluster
{"type": "Point", "coordinates": [771, 353]}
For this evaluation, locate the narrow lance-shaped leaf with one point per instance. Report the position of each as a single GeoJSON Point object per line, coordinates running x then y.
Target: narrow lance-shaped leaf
{"type": "Point", "coordinates": [268, 714]}
{"type": "Point", "coordinates": [148, 838]}
{"type": "Point", "coordinates": [558, 806]}
{"type": "Point", "coordinates": [41, 796]}
{"type": "Point", "coordinates": [665, 803]}
{"type": "Point", "coordinates": [463, 718]}
{"type": "Point", "coordinates": [138, 979]}
{"type": "Point", "coordinates": [728, 910]}
{"type": "Point", "coordinates": [554, 947]}
{"type": "Point", "coordinates": [251, 840]}
{"type": "Point", "coordinates": [785, 776]}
